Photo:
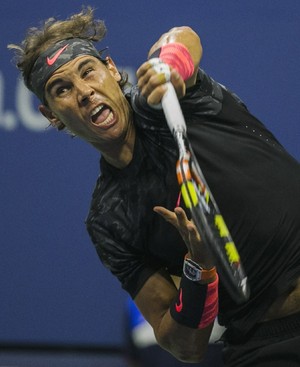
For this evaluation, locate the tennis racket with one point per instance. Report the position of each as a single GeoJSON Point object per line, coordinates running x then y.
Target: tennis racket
{"type": "Point", "coordinates": [199, 200]}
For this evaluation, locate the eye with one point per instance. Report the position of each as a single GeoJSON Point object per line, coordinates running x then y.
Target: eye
{"type": "Point", "coordinates": [87, 72]}
{"type": "Point", "coordinates": [61, 90]}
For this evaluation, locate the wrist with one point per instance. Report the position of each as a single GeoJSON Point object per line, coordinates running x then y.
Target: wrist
{"type": "Point", "coordinates": [178, 57]}
{"type": "Point", "coordinates": [197, 273]}
{"type": "Point", "coordinates": [196, 305]}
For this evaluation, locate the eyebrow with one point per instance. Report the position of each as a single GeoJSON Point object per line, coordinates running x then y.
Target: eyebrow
{"type": "Point", "coordinates": [59, 80]}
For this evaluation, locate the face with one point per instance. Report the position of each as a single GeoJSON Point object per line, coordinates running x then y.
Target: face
{"type": "Point", "coordinates": [85, 96]}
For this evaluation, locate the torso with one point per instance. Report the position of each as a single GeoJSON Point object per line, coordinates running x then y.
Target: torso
{"type": "Point", "coordinates": [285, 305]}
{"type": "Point", "coordinates": [254, 193]}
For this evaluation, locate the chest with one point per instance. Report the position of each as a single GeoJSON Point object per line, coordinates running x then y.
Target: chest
{"type": "Point", "coordinates": [149, 233]}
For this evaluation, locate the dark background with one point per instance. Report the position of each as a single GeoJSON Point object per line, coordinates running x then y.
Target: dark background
{"type": "Point", "coordinates": [53, 288]}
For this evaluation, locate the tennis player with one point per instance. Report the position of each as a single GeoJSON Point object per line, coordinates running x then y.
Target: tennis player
{"type": "Point", "coordinates": [132, 222]}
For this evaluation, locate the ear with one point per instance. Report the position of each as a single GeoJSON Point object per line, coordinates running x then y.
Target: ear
{"type": "Point", "coordinates": [111, 66]}
{"type": "Point", "coordinates": [51, 117]}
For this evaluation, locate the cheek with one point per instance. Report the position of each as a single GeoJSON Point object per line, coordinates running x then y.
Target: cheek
{"type": "Point", "coordinates": [67, 115]}
{"type": "Point", "coordinates": [70, 117]}
{"type": "Point", "coordinates": [108, 83]}
{"type": "Point", "coordinates": [114, 91]}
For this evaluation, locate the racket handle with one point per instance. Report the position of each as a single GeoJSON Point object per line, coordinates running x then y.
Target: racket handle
{"type": "Point", "coordinates": [172, 111]}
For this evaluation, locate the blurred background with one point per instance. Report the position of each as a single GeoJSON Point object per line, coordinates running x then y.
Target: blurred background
{"type": "Point", "coordinates": [55, 294]}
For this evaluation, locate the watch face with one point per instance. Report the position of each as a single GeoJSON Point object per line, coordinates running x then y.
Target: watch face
{"type": "Point", "coordinates": [191, 271]}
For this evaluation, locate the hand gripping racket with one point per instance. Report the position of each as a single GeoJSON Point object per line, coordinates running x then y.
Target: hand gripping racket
{"type": "Point", "coordinates": [199, 200]}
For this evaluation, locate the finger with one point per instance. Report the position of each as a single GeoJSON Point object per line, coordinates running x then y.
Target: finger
{"type": "Point", "coordinates": [194, 235]}
{"type": "Point", "coordinates": [144, 74]}
{"type": "Point", "coordinates": [168, 215]}
{"type": "Point", "coordinates": [160, 67]}
{"type": "Point", "coordinates": [152, 86]}
{"type": "Point", "coordinates": [150, 69]}
{"type": "Point", "coordinates": [150, 80]}
{"type": "Point", "coordinates": [152, 74]}
{"type": "Point", "coordinates": [155, 94]}
{"type": "Point", "coordinates": [182, 222]}
{"type": "Point", "coordinates": [162, 210]}
{"type": "Point", "coordinates": [181, 216]}
{"type": "Point", "coordinates": [143, 69]}
{"type": "Point", "coordinates": [144, 78]}
{"type": "Point", "coordinates": [178, 83]}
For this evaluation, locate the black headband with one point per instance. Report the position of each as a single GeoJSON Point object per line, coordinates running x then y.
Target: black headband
{"type": "Point", "coordinates": [53, 58]}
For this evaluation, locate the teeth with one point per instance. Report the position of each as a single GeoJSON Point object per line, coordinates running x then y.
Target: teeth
{"type": "Point", "coordinates": [96, 110]}
{"type": "Point", "coordinates": [108, 119]}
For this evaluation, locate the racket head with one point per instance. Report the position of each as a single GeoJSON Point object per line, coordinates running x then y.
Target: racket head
{"type": "Point", "coordinates": [211, 226]}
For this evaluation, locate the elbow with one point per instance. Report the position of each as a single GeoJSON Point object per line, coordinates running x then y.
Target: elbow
{"type": "Point", "coordinates": [185, 357]}
{"type": "Point", "coordinates": [188, 356]}
{"type": "Point", "coordinates": [183, 351]}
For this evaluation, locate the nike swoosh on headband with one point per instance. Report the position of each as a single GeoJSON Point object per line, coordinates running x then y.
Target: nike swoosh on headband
{"type": "Point", "coordinates": [51, 61]}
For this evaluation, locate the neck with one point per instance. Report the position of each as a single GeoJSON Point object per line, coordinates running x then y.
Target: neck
{"type": "Point", "coordinates": [121, 156]}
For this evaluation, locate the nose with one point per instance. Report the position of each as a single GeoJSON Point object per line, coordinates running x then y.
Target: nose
{"type": "Point", "coordinates": [85, 92]}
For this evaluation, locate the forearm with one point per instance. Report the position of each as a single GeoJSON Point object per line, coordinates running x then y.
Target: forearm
{"type": "Point", "coordinates": [186, 344]}
{"type": "Point", "coordinates": [155, 300]}
{"type": "Point", "coordinates": [187, 37]}
{"type": "Point", "coordinates": [180, 48]}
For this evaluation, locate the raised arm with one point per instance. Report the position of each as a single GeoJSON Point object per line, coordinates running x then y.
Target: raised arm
{"type": "Point", "coordinates": [186, 56]}
{"type": "Point", "coordinates": [182, 318]}
{"type": "Point", "coordinates": [187, 37]}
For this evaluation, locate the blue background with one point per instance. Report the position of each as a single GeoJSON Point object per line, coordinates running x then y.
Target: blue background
{"type": "Point", "coordinates": [53, 288]}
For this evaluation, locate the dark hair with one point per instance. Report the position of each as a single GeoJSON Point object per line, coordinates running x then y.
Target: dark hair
{"type": "Point", "coordinates": [82, 25]}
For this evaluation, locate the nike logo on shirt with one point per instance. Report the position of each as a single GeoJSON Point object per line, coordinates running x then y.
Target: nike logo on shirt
{"type": "Point", "coordinates": [51, 61]}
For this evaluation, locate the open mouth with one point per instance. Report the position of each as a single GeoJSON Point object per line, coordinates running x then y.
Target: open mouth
{"type": "Point", "coordinates": [102, 116]}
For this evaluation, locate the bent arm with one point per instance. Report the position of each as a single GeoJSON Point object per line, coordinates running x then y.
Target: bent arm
{"type": "Point", "coordinates": [154, 300]}
{"type": "Point", "coordinates": [158, 294]}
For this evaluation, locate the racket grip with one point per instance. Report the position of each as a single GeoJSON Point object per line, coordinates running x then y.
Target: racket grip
{"type": "Point", "coordinates": [172, 111]}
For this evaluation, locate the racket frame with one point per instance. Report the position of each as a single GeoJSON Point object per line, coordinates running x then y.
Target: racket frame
{"type": "Point", "coordinates": [199, 200]}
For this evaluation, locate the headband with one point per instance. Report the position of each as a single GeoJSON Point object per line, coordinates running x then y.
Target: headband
{"type": "Point", "coordinates": [53, 58]}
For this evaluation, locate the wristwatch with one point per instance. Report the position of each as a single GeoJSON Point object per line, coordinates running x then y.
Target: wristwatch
{"type": "Point", "coordinates": [195, 272]}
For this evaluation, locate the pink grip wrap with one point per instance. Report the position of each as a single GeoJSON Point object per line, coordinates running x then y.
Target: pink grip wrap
{"type": "Point", "coordinates": [178, 56]}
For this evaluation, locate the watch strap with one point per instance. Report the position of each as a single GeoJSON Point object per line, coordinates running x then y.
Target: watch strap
{"type": "Point", "coordinates": [194, 272]}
